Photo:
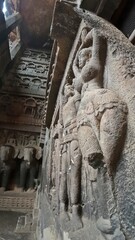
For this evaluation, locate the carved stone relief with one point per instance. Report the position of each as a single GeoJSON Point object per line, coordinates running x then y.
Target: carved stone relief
{"type": "Point", "coordinates": [33, 63]}
{"type": "Point", "coordinates": [32, 68]}
{"type": "Point", "coordinates": [15, 109]}
{"type": "Point", "coordinates": [38, 56]}
{"type": "Point", "coordinates": [25, 84]}
{"type": "Point", "coordinates": [22, 102]}
{"type": "Point", "coordinates": [96, 114]}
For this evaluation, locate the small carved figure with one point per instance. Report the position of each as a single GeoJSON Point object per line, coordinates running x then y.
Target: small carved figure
{"type": "Point", "coordinates": [71, 157]}
{"type": "Point", "coordinates": [101, 116]}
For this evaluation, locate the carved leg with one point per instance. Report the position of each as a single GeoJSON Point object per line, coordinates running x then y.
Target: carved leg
{"type": "Point", "coordinates": [75, 194]}
{"type": "Point", "coordinates": [89, 146]}
{"type": "Point", "coordinates": [5, 177]}
{"type": "Point", "coordinates": [23, 175]}
{"type": "Point", "coordinates": [33, 173]}
{"type": "Point", "coordinates": [63, 186]}
{"type": "Point", "coordinates": [112, 132]}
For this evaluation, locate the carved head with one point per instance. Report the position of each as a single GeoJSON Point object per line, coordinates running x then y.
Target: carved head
{"type": "Point", "coordinates": [6, 153]}
{"type": "Point", "coordinates": [84, 33]}
{"type": "Point", "coordinates": [29, 154]}
{"type": "Point", "coordinates": [68, 90]}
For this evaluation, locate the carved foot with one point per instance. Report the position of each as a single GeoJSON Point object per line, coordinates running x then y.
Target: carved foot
{"type": "Point", "coordinates": [64, 218]}
{"type": "Point", "coordinates": [65, 221]}
{"type": "Point", "coordinates": [76, 222]}
{"type": "Point", "coordinates": [104, 225]}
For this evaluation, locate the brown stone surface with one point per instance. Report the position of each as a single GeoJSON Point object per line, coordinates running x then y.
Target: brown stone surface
{"type": "Point", "coordinates": [37, 16]}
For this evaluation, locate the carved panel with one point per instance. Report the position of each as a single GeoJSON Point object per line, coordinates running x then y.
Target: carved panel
{"type": "Point", "coordinates": [36, 56]}
{"type": "Point", "coordinates": [25, 84]}
{"type": "Point", "coordinates": [31, 68]}
{"type": "Point", "coordinates": [18, 138]}
{"type": "Point", "coordinates": [22, 110]}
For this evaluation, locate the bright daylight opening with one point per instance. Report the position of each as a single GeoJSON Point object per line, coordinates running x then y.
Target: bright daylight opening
{"type": "Point", "coordinates": [4, 8]}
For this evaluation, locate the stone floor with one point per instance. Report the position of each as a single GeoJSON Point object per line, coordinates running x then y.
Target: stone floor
{"type": "Point", "coordinates": [8, 221]}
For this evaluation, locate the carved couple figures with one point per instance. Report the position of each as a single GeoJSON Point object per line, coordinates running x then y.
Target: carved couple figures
{"type": "Point", "coordinates": [93, 120]}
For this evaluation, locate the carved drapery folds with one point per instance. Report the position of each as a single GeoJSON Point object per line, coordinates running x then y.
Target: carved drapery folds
{"type": "Point", "coordinates": [91, 148]}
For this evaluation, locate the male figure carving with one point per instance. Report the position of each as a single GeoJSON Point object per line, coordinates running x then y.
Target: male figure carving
{"type": "Point", "coordinates": [71, 157]}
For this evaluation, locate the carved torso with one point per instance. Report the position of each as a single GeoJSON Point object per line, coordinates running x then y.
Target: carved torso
{"type": "Point", "coordinates": [69, 111]}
